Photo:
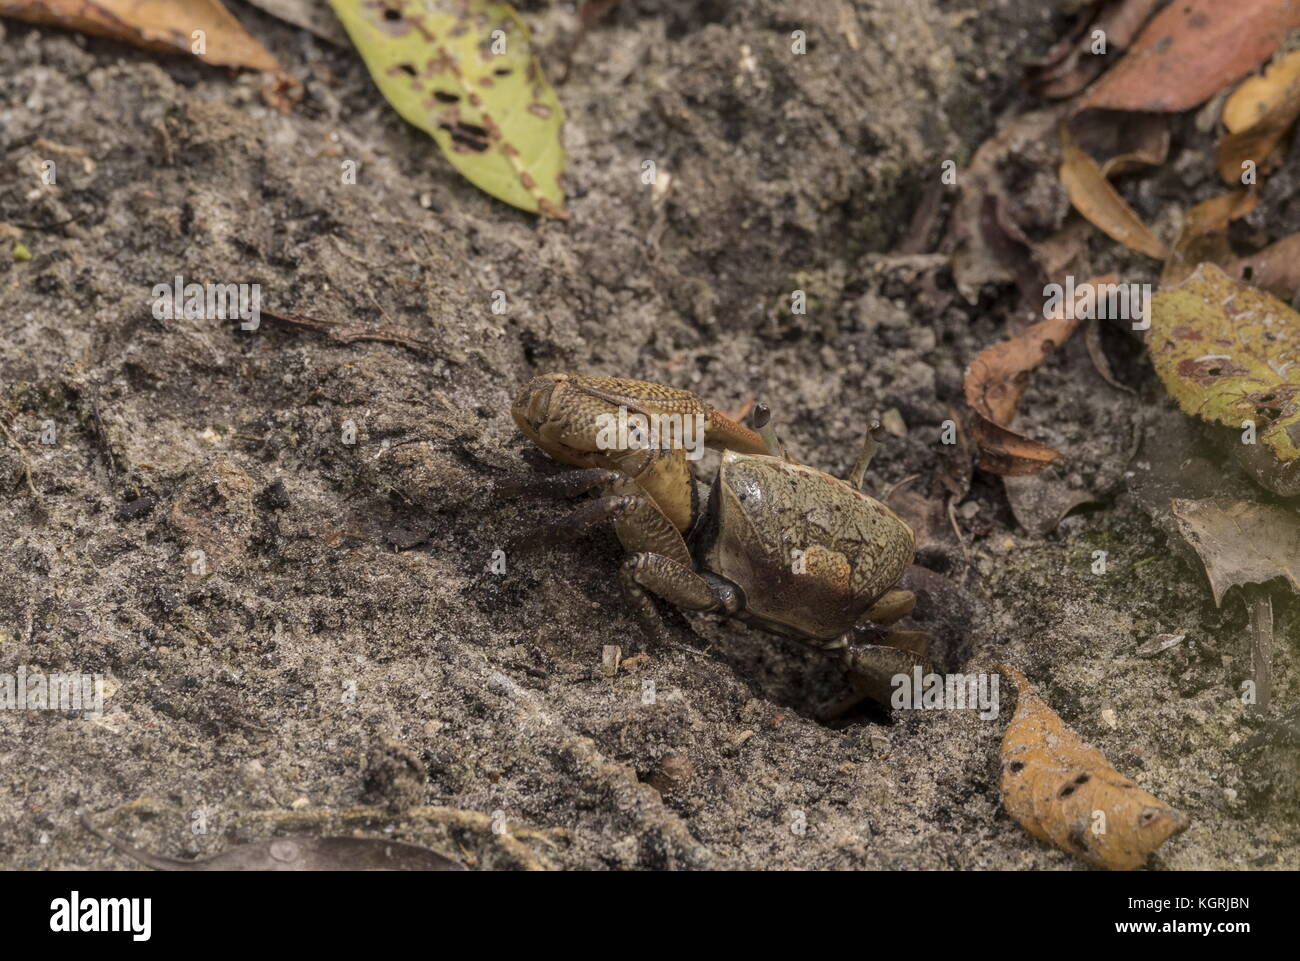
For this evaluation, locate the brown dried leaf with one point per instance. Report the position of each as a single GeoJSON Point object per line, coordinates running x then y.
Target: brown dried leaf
{"type": "Point", "coordinates": [166, 25]}
{"type": "Point", "coordinates": [1256, 143]}
{"type": "Point", "coordinates": [1071, 65]}
{"type": "Point", "coordinates": [1241, 542]}
{"type": "Point", "coordinates": [995, 381]}
{"type": "Point", "coordinates": [986, 244]}
{"type": "Point", "coordinates": [1005, 452]}
{"type": "Point", "coordinates": [1190, 51]}
{"type": "Point", "coordinates": [1094, 197]}
{"type": "Point", "coordinates": [1204, 237]}
{"type": "Point", "coordinates": [1065, 791]}
{"type": "Point", "coordinates": [1276, 268]}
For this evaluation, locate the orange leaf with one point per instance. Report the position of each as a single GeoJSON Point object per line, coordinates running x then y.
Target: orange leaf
{"type": "Point", "coordinates": [996, 379]}
{"type": "Point", "coordinates": [169, 25]}
{"type": "Point", "coordinates": [1063, 790]}
{"type": "Point", "coordinates": [1190, 51]}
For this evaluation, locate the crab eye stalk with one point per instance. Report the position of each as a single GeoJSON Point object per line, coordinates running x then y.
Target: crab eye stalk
{"type": "Point", "coordinates": [875, 434]}
{"type": "Point", "coordinates": [761, 421]}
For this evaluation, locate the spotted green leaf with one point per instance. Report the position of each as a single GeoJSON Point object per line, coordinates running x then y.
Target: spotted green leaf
{"type": "Point", "coordinates": [462, 71]}
{"type": "Point", "coordinates": [1229, 353]}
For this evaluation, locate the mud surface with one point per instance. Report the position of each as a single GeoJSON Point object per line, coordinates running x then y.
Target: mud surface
{"type": "Point", "coordinates": [343, 660]}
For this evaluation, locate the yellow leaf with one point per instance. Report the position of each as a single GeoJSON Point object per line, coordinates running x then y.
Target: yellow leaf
{"type": "Point", "coordinates": [462, 71]}
{"type": "Point", "coordinates": [1258, 95]}
{"type": "Point", "coordinates": [1230, 354]}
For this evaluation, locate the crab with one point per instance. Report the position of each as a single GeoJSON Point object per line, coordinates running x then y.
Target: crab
{"type": "Point", "coordinates": [778, 544]}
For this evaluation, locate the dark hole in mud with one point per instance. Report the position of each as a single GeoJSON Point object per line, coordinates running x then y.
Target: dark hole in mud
{"type": "Point", "coordinates": [502, 71]}
{"type": "Point", "coordinates": [443, 97]}
{"type": "Point", "coordinates": [407, 68]}
{"type": "Point", "coordinates": [1016, 766]}
{"type": "Point", "coordinates": [390, 14]}
{"type": "Point", "coordinates": [1067, 790]}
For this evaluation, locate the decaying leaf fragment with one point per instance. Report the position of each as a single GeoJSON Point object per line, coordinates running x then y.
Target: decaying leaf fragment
{"type": "Point", "coordinates": [1065, 791]}
{"type": "Point", "coordinates": [1190, 51]}
{"type": "Point", "coordinates": [202, 27]}
{"type": "Point", "coordinates": [1276, 268]}
{"type": "Point", "coordinates": [462, 71]}
{"type": "Point", "coordinates": [997, 377]}
{"type": "Point", "coordinates": [1094, 197]}
{"type": "Point", "coordinates": [1241, 543]}
{"type": "Point", "coordinates": [1255, 144]}
{"type": "Point", "coordinates": [1230, 354]}
{"type": "Point", "coordinates": [1204, 236]}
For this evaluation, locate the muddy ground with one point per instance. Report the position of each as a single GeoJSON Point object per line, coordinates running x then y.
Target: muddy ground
{"type": "Point", "coordinates": [346, 661]}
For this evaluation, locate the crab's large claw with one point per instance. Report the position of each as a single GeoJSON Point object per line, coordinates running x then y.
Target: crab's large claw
{"type": "Point", "coordinates": [568, 415]}
{"type": "Point", "coordinates": [594, 421]}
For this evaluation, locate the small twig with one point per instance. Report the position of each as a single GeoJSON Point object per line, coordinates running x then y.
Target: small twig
{"type": "Point", "coordinates": [1260, 604]}
{"type": "Point", "coordinates": [346, 335]}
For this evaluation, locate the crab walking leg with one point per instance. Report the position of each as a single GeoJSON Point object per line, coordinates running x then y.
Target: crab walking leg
{"type": "Point", "coordinates": [893, 606]}
{"type": "Point", "coordinates": [643, 574]}
{"type": "Point", "coordinates": [872, 668]}
{"type": "Point", "coordinates": [578, 522]}
{"type": "Point", "coordinates": [565, 484]}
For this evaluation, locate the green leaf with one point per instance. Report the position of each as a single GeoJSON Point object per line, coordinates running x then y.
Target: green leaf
{"type": "Point", "coordinates": [462, 71]}
{"type": "Point", "coordinates": [1229, 353]}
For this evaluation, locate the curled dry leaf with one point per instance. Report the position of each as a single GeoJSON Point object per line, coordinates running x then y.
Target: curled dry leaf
{"type": "Point", "coordinates": [167, 25]}
{"type": "Point", "coordinates": [297, 854]}
{"type": "Point", "coordinates": [1062, 790]}
{"type": "Point", "coordinates": [1276, 268]}
{"type": "Point", "coordinates": [997, 377]}
{"type": "Point", "coordinates": [1204, 237]}
{"type": "Point", "coordinates": [987, 244]}
{"type": "Point", "coordinates": [462, 71]}
{"type": "Point", "coordinates": [1094, 197]}
{"type": "Point", "coordinates": [1240, 542]}
{"type": "Point", "coordinates": [1230, 354]}
{"type": "Point", "coordinates": [1258, 95]}
{"type": "Point", "coordinates": [1071, 64]}
{"type": "Point", "coordinates": [1190, 51]}
{"type": "Point", "coordinates": [1256, 143]}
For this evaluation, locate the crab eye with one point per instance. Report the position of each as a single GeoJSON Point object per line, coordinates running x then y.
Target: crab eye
{"type": "Point", "coordinates": [876, 431]}
{"type": "Point", "coordinates": [761, 415]}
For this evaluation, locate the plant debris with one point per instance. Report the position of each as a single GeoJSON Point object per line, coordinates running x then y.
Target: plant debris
{"type": "Point", "coordinates": [1241, 543]}
{"type": "Point", "coordinates": [203, 28]}
{"type": "Point", "coordinates": [1229, 354]}
{"type": "Point", "coordinates": [1190, 51]}
{"type": "Point", "coordinates": [1065, 791]}
{"type": "Point", "coordinates": [464, 74]}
